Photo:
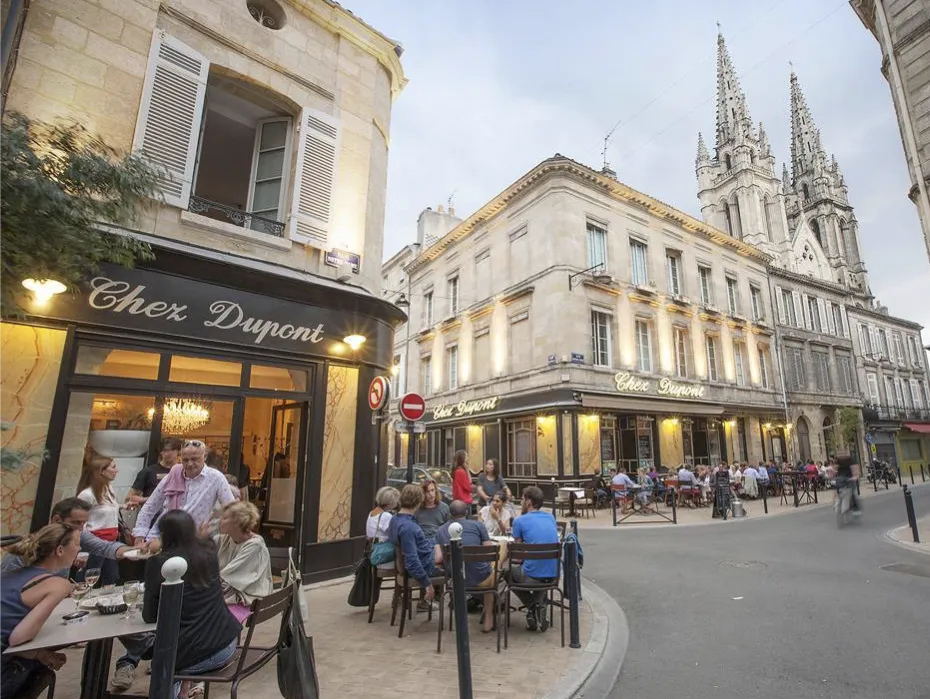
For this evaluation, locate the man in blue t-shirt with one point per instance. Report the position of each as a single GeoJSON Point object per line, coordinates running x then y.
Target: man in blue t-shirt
{"type": "Point", "coordinates": [476, 574]}
{"type": "Point", "coordinates": [534, 527]}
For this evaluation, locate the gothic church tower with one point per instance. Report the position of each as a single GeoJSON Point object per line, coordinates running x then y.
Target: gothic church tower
{"type": "Point", "coordinates": [816, 193]}
{"type": "Point", "coordinates": [738, 189]}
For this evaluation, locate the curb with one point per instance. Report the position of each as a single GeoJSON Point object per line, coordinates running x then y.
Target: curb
{"type": "Point", "coordinates": [909, 545]}
{"type": "Point", "coordinates": [594, 675]}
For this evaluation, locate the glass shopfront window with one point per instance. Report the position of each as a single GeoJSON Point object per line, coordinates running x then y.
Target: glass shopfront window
{"type": "Point", "coordinates": [521, 448]}
{"type": "Point", "coordinates": [644, 443]}
{"type": "Point", "coordinates": [255, 429]}
{"type": "Point", "coordinates": [608, 443]}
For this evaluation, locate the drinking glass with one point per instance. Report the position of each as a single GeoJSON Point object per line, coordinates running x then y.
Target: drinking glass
{"type": "Point", "coordinates": [91, 576]}
{"type": "Point", "coordinates": [130, 597]}
{"type": "Point", "coordinates": [79, 591]}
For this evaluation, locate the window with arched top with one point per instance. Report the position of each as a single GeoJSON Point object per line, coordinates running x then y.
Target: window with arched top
{"type": "Point", "coordinates": [806, 190]}
{"type": "Point", "coordinates": [815, 227]}
{"type": "Point", "coordinates": [804, 439]}
{"type": "Point", "coordinates": [767, 212]}
{"type": "Point", "coordinates": [727, 161]}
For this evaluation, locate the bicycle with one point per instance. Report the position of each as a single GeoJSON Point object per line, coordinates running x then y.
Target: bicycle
{"type": "Point", "coordinates": [843, 503]}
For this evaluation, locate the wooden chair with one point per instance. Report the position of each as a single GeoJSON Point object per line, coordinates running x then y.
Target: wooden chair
{"type": "Point", "coordinates": [562, 527]}
{"type": "Point", "coordinates": [516, 555]}
{"type": "Point", "coordinates": [403, 587]}
{"type": "Point", "coordinates": [248, 659]}
{"type": "Point", "coordinates": [41, 682]}
{"type": "Point", "coordinates": [473, 554]}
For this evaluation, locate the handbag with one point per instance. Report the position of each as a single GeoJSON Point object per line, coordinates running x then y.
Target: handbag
{"type": "Point", "coordinates": [297, 676]}
{"type": "Point", "coordinates": [360, 594]}
{"type": "Point", "coordinates": [381, 551]}
{"type": "Point", "coordinates": [291, 576]}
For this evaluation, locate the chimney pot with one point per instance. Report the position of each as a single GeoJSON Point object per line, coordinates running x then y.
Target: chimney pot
{"type": "Point", "coordinates": [441, 209]}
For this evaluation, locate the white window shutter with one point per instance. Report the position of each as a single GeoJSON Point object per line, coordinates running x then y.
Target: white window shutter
{"type": "Point", "coordinates": [780, 302]}
{"type": "Point", "coordinates": [831, 319]}
{"type": "Point", "coordinates": [311, 211]}
{"type": "Point", "coordinates": [168, 126]}
{"type": "Point", "coordinates": [845, 320]}
{"type": "Point", "coordinates": [822, 310]}
{"type": "Point", "coordinates": [798, 309]}
{"type": "Point", "coordinates": [806, 308]}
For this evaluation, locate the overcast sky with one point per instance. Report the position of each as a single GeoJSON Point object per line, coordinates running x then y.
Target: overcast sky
{"type": "Point", "coordinates": [496, 87]}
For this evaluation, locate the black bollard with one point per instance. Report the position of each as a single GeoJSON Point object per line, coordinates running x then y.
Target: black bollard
{"type": "Point", "coordinates": [574, 526]}
{"type": "Point", "coordinates": [815, 491]}
{"type": "Point", "coordinates": [165, 650]}
{"type": "Point", "coordinates": [875, 480]}
{"type": "Point", "coordinates": [858, 491]}
{"type": "Point", "coordinates": [674, 506]}
{"type": "Point", "coordinates": [923, 474]}
{"type": "Point", "coordinates": [765, 499]}
{"type": "Point", "coordinates": [613, 507]}
{"type": "Point", "coordinates": [911, 515]}
{"type": "Point", "coordinates": [911, 469]}
{"type": "Point", "coordinates": [795, 484]}
{"type": "Point", "coordinates": [460, 611]}
{"type": "Point", "coordinates": [555, 497]}
{"type": "Point", "coordinates": [572, 583]}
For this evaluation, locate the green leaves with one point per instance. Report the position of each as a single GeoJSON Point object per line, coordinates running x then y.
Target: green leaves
{"type": "Point", "coordinates": [60, 184]}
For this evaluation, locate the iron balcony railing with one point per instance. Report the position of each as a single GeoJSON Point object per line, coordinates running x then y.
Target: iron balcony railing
{"type": "Point", "coordinates": [894, 413]}
{"type": "Point", "coordinates": [237, 217]}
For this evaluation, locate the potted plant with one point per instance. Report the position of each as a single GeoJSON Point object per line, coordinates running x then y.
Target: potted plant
{"type": "Point", "coordinates": [126, 433]}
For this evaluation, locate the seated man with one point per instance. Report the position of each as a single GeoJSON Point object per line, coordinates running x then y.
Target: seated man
{"type": "Point", "coordinates": [417, 550]}
{"type": "Point", "coordinates": [622, 479]}
{"type": "Point", "coordinates": [476, 574]}
{"type": "Point", "coordinates": [535, 527]}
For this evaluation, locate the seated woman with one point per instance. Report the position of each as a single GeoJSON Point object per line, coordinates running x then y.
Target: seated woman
{"type": "Point", "coordinates": [496, 517]}
{"type": "Point", "coordinates": [209, 632]}
{"type": "Point", "coordinates": [28, 596]}
{"type": "Point", "coordinates": [379, 519]}
{"type": "Point", "coordinates": [245, 564]}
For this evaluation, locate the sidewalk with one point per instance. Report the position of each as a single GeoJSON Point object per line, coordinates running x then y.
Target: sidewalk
{"type": "Point", "coordinates": [698, 516]}
{"type": "Point", "coordinates": [903, 537]}
{"type": "Point", "coordinates": [356, 660]}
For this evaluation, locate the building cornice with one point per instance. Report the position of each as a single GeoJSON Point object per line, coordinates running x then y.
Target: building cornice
{"type": "Point", "coordinates": [882, 316]}
{"type": "Point", "coordinates": [782, 273]}
{"type": "Point", "coordinates": [341, 22]}
{"type": "Point", "coordinates": [562, 166]}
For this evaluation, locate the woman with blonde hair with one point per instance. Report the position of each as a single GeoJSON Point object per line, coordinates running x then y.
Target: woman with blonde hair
{"type": "Point", "coordinates": [28, 596]}
{"type": "Point", "coordinates": [379, 519]}
{"type": "Point", "coordinates": [245, 564]}
{"type": "Point", "coordinates": [95, 488]}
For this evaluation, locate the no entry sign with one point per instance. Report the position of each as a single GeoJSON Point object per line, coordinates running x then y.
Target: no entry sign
{"type": "Point", "coordinates": [412, 407]}
{"type": "Point", "coordinates": [378, 393]}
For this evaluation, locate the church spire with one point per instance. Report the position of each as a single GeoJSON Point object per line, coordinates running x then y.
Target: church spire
{"type": "Point", "coordinates": [703, 157]}
{"type": "Point", "coordinates": [806, 149]}
{"type": "Point", "coordinates": [733, 120]}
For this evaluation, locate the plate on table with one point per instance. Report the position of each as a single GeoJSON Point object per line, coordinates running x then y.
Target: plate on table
{"type": "Point", "coordinates": [136, 555]}
{"type": "Point", "coordinates": [503, 539]}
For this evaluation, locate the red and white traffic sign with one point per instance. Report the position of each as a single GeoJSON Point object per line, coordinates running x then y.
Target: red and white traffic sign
{"type": "Point", "coordinates": [378, 393]}
{"type": "Point", "coordinates": [412, 407]}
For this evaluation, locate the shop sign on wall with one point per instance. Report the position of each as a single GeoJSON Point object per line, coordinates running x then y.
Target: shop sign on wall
{"type": "Point", "coordinates": [627, 383]}
{"type": "Point", "coordinates": [465, 408]}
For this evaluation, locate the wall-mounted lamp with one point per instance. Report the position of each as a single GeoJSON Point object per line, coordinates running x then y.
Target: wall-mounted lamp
{"type": "Point", "coordinates": [597, 276]}
{"type": "Point", "coordinates": [395, 369]}
{"type": "Point", "coordinates": [354, 341]}
{"type": "Point", "coordinates": [43, 289]}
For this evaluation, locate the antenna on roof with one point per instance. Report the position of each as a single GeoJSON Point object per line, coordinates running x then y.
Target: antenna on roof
{"type": "Point", "coordinates": [450, 199]}
{"type": "Point", "coordinates": [604, 151]}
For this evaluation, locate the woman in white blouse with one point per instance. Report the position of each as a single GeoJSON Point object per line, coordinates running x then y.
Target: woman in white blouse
{"type": "Point", "coordinates": [379, 519]}
{"type": "Point", "coordinates": [96, 489]}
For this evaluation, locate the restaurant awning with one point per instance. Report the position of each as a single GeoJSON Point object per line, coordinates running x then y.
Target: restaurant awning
{"type": "Point", "coordinates": [641, 405]}
{"type": "Point", "coordinates": [922, 427]}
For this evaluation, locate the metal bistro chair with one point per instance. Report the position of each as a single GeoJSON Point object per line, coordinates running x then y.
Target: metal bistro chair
{"type": "Point", "coordinates": [474, 554]}
{"type": "Point", "coordinates": [517, 554]}
{"type": "Point", "coordinates": [379, 576]}
{"type": "Point", "coordinates": [403, 587]}
{"type": "Point", "coordinates": [248, 660]}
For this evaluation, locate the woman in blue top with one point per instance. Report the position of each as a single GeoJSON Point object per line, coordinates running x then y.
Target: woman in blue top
{"type": "Point", "coordinates": [28, 596]}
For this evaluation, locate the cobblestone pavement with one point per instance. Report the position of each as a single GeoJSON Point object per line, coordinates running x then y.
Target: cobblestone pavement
{"type": "Point", "coordinates": [354, 657]}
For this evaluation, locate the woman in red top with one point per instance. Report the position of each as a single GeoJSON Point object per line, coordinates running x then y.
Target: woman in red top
{"type": "Point", "coordinates": [461, 478]}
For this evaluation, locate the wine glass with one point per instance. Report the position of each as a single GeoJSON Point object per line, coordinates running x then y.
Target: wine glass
{"type": "Point", "coordinates": [130, 597]}
{"type": "Point", "coordinates": [79, 591]}
{"type": "Point", "coordinates": [91, 576]}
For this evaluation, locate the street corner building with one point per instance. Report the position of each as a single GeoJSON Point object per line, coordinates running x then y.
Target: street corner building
{"type": "Point", "coordinates": [574, 324]}
{"type": "Point", "coordinates": [259, 324]}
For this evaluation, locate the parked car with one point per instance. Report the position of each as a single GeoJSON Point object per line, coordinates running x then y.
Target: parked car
{"type": "Point", "coordinates": [397, 477]}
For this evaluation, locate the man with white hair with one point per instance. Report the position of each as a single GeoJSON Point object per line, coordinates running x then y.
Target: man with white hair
{"type": "Point", "coordinates": [191, 486]}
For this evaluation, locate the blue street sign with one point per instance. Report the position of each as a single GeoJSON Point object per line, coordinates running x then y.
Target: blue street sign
{"type": "Point", "coordinates": [869, 438]}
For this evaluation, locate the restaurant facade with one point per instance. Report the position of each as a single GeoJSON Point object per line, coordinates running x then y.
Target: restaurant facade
{"type": "Point", "coordinates": [647, 343]}
{"type": "Point", "coordinates": [258, 324]}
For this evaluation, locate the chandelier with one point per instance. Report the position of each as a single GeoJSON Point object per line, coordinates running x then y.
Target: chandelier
{"type": "Point", "coordinates": [182, 415]}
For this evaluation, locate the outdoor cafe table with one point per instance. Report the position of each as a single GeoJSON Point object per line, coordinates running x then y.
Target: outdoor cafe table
{"type": "Point", "coordinates": [97, 631]}
{"type": "Point", "coordinates": [572, 493]}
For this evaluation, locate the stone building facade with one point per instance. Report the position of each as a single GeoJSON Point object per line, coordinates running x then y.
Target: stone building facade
{"type": "Point", "coordinates": [805, 222]}
{"type": "Point", "coordinates": [270, 120]}
{"type": "Point", "coordinates": [574, 324]}
{"type": "Point", "coordinates": [902, 28]}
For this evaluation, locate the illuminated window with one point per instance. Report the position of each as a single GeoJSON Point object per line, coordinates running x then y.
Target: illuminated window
{"type": "Point", "coordinates": [643, 347]}
{"type": "Point", "coordinates": [600, 338]}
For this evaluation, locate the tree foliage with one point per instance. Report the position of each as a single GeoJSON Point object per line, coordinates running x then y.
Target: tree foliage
{"type": "Point", "coordinates": [59, 183]}
{"type": "Point", "coordinates": [848, 421]}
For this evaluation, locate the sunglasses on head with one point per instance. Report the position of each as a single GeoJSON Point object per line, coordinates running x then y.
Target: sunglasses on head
{"type": "Point", "coordinates": [195, 443]}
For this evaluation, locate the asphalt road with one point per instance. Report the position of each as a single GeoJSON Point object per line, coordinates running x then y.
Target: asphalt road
{"type": "Point", "coordinates": [789, 606]}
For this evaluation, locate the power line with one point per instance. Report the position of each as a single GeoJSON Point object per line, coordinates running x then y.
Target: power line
{"type": "Point", "coordinates": [700, 64]}
{"type": "Point", "coordinates": [778, 51]}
